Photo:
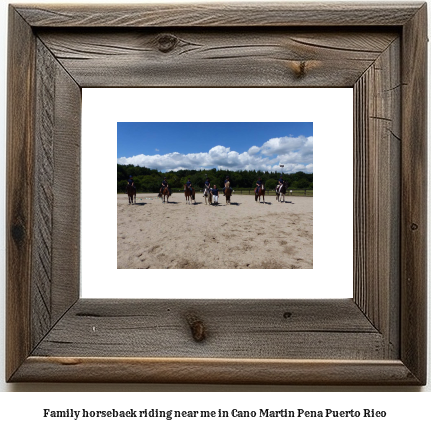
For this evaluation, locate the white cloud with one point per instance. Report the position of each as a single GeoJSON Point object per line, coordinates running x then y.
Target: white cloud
{"type": "Point", "coordinates": [296, 153]}
{"type": "Point", "coordinates": [253, 150]}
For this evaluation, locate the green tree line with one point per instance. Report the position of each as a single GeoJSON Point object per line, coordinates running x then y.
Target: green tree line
{"type": "Point", "coordinates": [149, 180]}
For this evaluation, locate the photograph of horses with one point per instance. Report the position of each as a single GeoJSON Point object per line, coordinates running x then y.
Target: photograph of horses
{"type": "Point", "coordinates": [220, 195]}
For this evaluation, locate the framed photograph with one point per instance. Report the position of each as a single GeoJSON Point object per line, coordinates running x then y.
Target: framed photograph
{"type": "Point", "coordinates": [223, 170]}
{"type": "Point", "coordinates": [377, 337]}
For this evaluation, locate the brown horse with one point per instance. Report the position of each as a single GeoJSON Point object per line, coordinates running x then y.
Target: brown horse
{"type": "Point", "coordinates": [281, 193]}
{"type": "Point", "coordinates": [227, 192]}
{"type": "Point", "coordinates": [259, 193]}
{"type": "Point", "coordinates": [164, 193]}
{"type": "Point", "coordinates": [190, 195]}
{"type": "Point", "coordinates": [131, 192]}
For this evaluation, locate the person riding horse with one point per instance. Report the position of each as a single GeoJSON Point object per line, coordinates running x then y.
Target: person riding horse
{"type": "Point", "coordinates": [281, 183]}
{"type": "Point", "coordinates": [189, 185]}
{"type": "Point", "coordinates": [259, 184]}
{"type": "Point", "coordinates": [226, 181]}
{"type": "Point", "coordinates": [131, 189]}
{"type": "Point", "coordinates": [207, 186]}
{"type": "Point", "coordinates": [164, 185]}
{"type": "Point", "coordinates": [131, 183]}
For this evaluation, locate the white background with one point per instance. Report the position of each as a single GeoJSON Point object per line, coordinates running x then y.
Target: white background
{"type": "Point", "coordinates": [332, 273]}
{"type": "Point", "coordinates": [407, 409]}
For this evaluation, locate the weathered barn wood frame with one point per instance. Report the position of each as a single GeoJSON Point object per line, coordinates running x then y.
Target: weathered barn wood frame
{"type": "Point", "coordinates": [378, 337]}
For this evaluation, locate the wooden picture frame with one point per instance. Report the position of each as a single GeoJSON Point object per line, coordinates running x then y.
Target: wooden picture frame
{"type": "Point", "coordinates": [378, 337]}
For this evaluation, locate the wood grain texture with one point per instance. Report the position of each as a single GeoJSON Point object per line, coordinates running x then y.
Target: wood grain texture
{"type": "Point", "coordinates": [378, 338]}
{"type": "Point", "coordinates": [19, 200]}
{"type": "Point", "coordinates": [226, 57]}
{"type": "Point", "coordinates": [67, 199]}
{"type": "Point", "coordinates": [413, 192]}
{"type": "Point", "coordinates": [233, 329]}
{"type": "Point", "coordinates": [43, 194]}
{"type": "Point", "coordinates": [55, 285]}
{"type": "Point", "coordinates": [377, 147]}
{"type": "Point", "coordinates": [220, 15]}
{"type": "Point", "coordinates": [215, 371]}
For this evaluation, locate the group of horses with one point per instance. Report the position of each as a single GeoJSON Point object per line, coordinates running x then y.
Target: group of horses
{"type": "Point", "coordinates": [190, 194]}
{"type": "Point", "coordinates": [209, 196]}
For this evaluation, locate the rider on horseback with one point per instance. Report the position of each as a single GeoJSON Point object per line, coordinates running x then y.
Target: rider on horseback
{"type": "Point", "coordinates": [259, 185]}
{"type": "Point", "coordinates": [226, 181]}
{"type": "Point", "coordinates": [131, 182]}
{"type": "Point", "coordinates": [189, 185]}
{"type": "Point", "coordinates": [165, 184]}
{"type": "Point", "coordinates": [281, 182]}
{"type": "Point", "coordinates": [207, 186]}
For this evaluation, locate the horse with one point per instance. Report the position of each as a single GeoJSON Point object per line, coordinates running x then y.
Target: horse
{"type": "Point", "coordinates": [227, 192]}
{"type": "Point", "coordinates": [165, 193]}
{"type": "Point", "coordinates": [259, 193]}
{"type": "Point", "coordinates": [190, 195]}
{"type": "Point", "coordinates": [208, 196]}
{"type": "Point", "coordinates": [131, 192]}
{"type": "Point", "coordinates": [281, 193]}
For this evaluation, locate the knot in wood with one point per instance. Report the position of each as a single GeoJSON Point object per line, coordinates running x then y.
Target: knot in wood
{"type": "Point", "coordinates": [300, 69]}
{"type": "Point", "coordinates": [167, 42]}
{"type": "Point", "coordinates": [197, 327]}
{"type": "Point", "coordinates": [414, 226]}
{"type": "Point", "coordinates": [287, 314]}
{"type": "Point", "coordinates": [18, 233]}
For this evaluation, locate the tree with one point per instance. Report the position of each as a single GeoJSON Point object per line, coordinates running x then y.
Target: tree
{"type": "Point", "coordinates": [270, 184]}
{"type": "Point", "coordinates": [149, 180]}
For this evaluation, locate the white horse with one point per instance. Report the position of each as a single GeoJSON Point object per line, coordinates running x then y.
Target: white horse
{"type": "Point", "coordinates": [208, 196]}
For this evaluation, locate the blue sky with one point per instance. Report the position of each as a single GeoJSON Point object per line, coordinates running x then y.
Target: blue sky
{"type": "Point", "coordinates": [234, 146]}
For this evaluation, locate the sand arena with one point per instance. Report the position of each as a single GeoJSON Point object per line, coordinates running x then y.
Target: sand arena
{"type": "Point", "coordinates": [243, 235]}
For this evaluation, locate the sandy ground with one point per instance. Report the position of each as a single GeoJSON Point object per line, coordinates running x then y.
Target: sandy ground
{"type": "Point", "coordinates": [245, 234]}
